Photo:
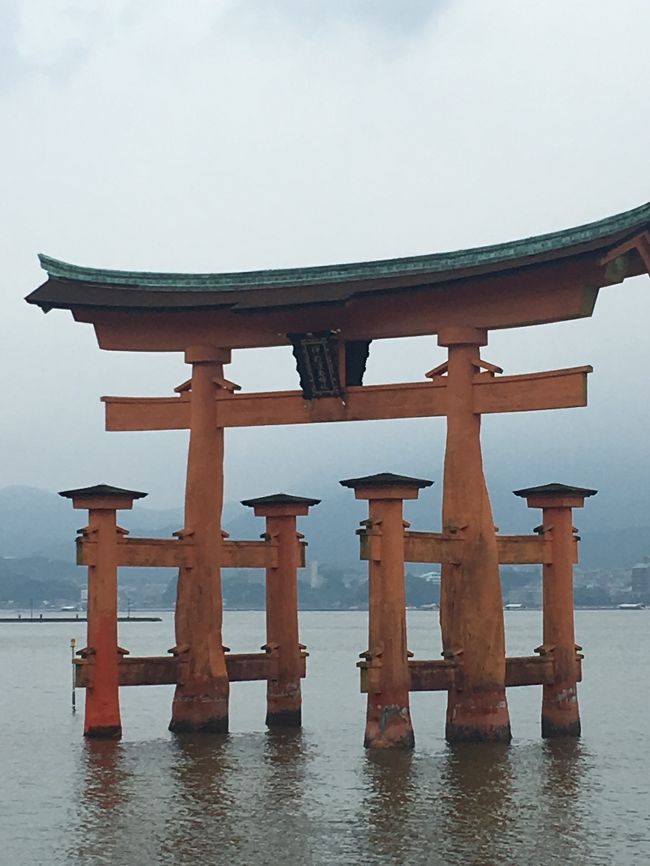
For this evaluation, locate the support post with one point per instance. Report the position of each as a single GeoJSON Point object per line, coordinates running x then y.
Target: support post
{"type": "Point", "coordinates": [560, 710]}
{"type": "Point", "coordinates": [388, 719]}
{"type": "Point", "coordinates": [471, 609]}
{"type": "Point", "coordinates": [102, 709]}
{"type": "Point", "coordinates": [201, 699]}
{"type": "Point", "coordinates": [283, 698]}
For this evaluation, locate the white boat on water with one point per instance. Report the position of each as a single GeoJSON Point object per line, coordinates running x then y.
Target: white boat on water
{"type": "Point", "coordinates": [632, 606]}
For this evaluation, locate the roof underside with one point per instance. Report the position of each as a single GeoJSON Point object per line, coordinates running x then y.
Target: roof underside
{"type": "Point", "coordinates": [72, 286]}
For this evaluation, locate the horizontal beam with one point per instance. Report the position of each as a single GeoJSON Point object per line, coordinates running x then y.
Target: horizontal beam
{"type": "Point", "coordinates": [555, 389]}
{"type": "Point", "coordinates": [529, 670]}
{"type": "Point", "coordinates": [552, 389]}
{"type": "Point", "coordinates": [173, 553]}
{"type": "Point", "coordinates": [168, 670]}
{"type": "Point", "coordinates": [145, 552]}
{"type": "Point", "coordinates": [440, 675]}
{"type": "Point", "coordinates": [432, 676]}
{"type": "Point", "coordinates": [253, 554]}
{"type": "Point", "coordinates": [523, 550]}
{"type": "Point", "coordinates": [133, 671]}
{"type": "Point", "coordinates": [147, 413]}
{"type": "Point", "coordinates": [436, 547]}
{"type": "Point", "coordinates": [421, 546]}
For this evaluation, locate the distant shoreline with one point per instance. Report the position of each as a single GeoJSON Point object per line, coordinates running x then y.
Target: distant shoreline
{"type": "Point", "coordinates": [150, 616]}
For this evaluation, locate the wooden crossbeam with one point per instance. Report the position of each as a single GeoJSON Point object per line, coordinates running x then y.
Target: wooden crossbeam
{"type": "Point", "coordinates": [555, 389]}
{"type": "Point", "coordinates": [436, 547]}
{"type": "Point", "coordinates": [168, 670]}
{"type": "Point", "coordinates": [439, 675]}
{"type": "Point", "coordinates": [170, 552]}
{"type": "Point", "coordinates": [147, 413]}
{"type": "Point", "coordinates": [252, 554]}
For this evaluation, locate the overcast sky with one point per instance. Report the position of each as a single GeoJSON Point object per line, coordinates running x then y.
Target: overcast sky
{"type": "Point", "coordinates": [214, 135]}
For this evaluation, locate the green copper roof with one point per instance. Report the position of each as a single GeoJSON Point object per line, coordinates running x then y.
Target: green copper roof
{"type": "Point", "coordinates": [412, 265]}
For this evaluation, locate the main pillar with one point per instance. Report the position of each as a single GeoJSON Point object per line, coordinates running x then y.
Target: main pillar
{"type": "Point", "coordinates": [388, 718]}
{"type": "Point", "coordinates": [560, 710]}
{"type": "Point", "coordinates": [201, 698]}
{"type": "Point", "coordinates": [283, 699]}
{"type": "Point", "coordinates": [102, 653]}
{"type": "Point", "coordinates": [471, 609]}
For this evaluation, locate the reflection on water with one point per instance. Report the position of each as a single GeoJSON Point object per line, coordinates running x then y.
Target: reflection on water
{"type": "Point", "coordinates": [104, 776]}
{"type": "Point", "coordinates": [206, 799]}
{"type": "Point", "coordinates": [391, 795]}
{"type": "Point", "coordinates": [312, 797]}
{"type": "Point", "coordinates": [268, 798]}
{"type": "Point", "coordinates": [202, 772]}
{"type": "Point", "coordinates": [260, 799]}
{"type": "Point", "coordinates": [449, 808]}
{"type": "Point", "coordinates": [102, 801]}
{"type": "Point", "coordinates": [478, 800]}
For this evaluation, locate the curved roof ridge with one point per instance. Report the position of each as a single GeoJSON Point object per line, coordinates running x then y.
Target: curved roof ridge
{"type": "Point", "coordinates": [427, 263]}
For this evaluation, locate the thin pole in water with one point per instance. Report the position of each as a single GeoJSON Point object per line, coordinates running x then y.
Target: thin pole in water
{"type": "Point", "coordinates": [73, 647]}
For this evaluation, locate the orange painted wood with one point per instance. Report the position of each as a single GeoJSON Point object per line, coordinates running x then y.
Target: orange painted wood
{"type": "Point", "coordinates": [529, 671]}
{"type": "Point", "coordinates": [102, 710]}
{"type": "Point", "coordinates": [560, 710]}
{"type": "Point", "coordinates": [523, 549]}
{"type": "Point", "coordinates": [388, 719]}
{"type": "Point", "coordinates": [145, 552]}
{"type": "Point", "coordinates": [439, 675]}
{"type": "Point", "coordinates": [254, 554]}
{"type": "Point", "coordinates": [166, 670]}
{"type": "Point", "coordinates": [283, 697]}
{"type": "Point", "coordinates": [555, 389]}
{"type": "Point", "coordinates": [169, 552]}
{"type": "Point", "coordinates": [201, 700]}
{"type": "Point", "coordinates": [434, 547]}
{"type": "Point", "coordinates": [471, 609]}
{"type": "Point", "coordinates": [147, 413]}
{"type": "Point", "coordinates": [529, 549]}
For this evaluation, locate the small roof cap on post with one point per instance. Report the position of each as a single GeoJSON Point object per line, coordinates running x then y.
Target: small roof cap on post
{"type": "Point", "coordinates": [280, 504]}
{"type": "Point", "coordinates": [554, 489]}
{"type": "Point", "coordinates": [102, 496]}
{"type": "Point", "coordinates": [555, 495]}
{"type": "Point", "coordinates": [386, 485]}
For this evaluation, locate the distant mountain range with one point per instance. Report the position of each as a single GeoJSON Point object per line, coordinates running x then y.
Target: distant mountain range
{"type": "Point", "coordinates": [38, 523]}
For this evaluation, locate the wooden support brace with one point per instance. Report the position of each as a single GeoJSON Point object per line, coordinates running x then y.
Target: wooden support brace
{"type": "Point", "coordinates": [437, 547]}
{"type": "Point", "coordinates": [168, 670]}
{"type": "Point", "coordinates": [616, 257]}
{"type": "Point", "coordinates": [433, 675]}
{"type": "Point", "coordinates": [168, 553]}
{"type": "Point", "coordinates": [554, 389]}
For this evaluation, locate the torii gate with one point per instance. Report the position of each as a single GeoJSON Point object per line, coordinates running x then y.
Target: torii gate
{"type": "Point", "coordinates": [330, 315]}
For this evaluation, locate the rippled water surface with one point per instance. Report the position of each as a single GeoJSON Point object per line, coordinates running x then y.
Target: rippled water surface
{"type": "Point", "coordinates": [315, 796]}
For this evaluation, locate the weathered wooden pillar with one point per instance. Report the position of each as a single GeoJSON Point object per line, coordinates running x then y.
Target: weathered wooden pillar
{"type": "Point", "coordinates": [560, 710]}
{"type": "Point", "coordinates": [283, 699]}
{"type": "Point", "coordinates": [201, 698]}
{"type": "Point", "coordinates": [471, 609]}
{"type": "Point", "coordinates": [388, 719]}
{"type": "Point", "coordinates": [102, 653]}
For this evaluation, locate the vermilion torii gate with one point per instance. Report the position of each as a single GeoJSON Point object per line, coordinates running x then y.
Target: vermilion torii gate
{"type": "Point", "coordinates": [330, 315]}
